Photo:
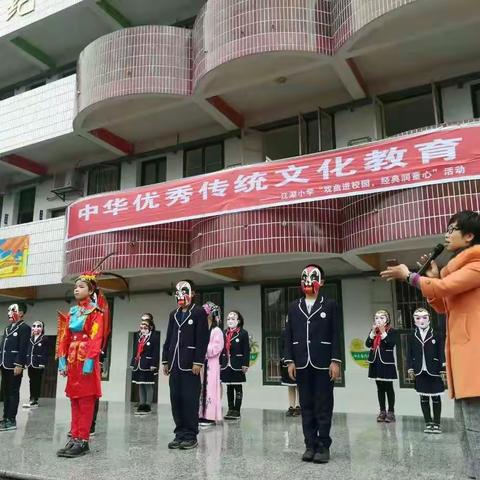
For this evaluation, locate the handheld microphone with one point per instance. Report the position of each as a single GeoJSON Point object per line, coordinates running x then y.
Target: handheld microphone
{"type": "Point", "coordinates": [432, 256]}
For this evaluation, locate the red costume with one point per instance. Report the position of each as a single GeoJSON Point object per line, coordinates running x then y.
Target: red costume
{"type": "Point", "coordinates": [80, 341]}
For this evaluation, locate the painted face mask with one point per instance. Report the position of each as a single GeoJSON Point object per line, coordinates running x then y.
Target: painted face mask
{"type": "Point", "coordinates": [232, 320]}
{"type": "Point", "coordinates": [310, 280]}
{"type": "Point", "coordinates": [212, 309]}
{"type": "Point", "coordinates": [144, 329]}
{"type": "Point", "coordinates": [183, 294]}
{"type": "Point", "coordinates": [381, 318]}
{"type": "Point", "coordinates": [421, 318]}
{"type": "Point", "coordinates": [37, 329]}
{"type": "Point", "coordinates": [13, 313]}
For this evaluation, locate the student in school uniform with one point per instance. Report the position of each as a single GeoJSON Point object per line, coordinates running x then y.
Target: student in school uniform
{"type": "Point", "coordinates": [183, 356]}
{"type": "Point", "coordinates": [381, 341]}
{"type": "Point", "coordinates": [426, 365]}
{"type": "Point", "coordinates": [235, 361]}
{"type": "Point", "coordinates": [13, 357]}
{"type": "Point", "coordinates": [37, 357]}
{"type": "Point", "coordinates": [145, 362]}
{"type": "Point", "coordinates": [312, 352]}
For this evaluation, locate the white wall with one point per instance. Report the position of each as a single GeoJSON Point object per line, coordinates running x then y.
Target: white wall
{"type": "Point", "coordinates": [358, 123]}
{"type": "Point", "coordinates": [457, 102]}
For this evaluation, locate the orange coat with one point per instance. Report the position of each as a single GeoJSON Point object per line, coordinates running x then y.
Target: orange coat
{"type": "Point", "coordinates": [457, 293]}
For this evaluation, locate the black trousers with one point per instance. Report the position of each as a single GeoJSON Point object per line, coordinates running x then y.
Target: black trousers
{"type": "Point", "coordinates": [11, 391]}
{"type": "Point", "coordinates": [35, 375]}
{"type": "Point", "coordinates": [385, 389]}
{"type": "Point", "coordinates": [185, 399]}
{"type": "Point", "coordinates": [315, 390]}
{"type": "Point", "coordinates": [95, 413]}
{"type": "Point", "coordinates": [235, 396]}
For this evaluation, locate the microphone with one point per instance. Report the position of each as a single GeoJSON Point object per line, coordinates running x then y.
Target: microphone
{"type": "Point", "coordinates": [431, 256]}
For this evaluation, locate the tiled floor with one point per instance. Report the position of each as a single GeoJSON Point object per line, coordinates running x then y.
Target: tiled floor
{"type": "Point", "coordinates": [263, 445]}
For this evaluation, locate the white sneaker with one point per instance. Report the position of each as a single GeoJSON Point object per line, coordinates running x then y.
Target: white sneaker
{"type": "Point", "coordinates": [26, 405]}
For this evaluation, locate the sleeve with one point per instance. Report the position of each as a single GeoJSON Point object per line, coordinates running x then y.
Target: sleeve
{"type": "Point", "coordinates": [216, 343]}
{"type": "Point", "coordinates": [390, 339]}
{"type": "Point", "coordinates": [287, 344]}
{"type": "Point", "coordinates": [336, 350]}
{"type": "Point", "coordinates": [95, 333]}
{"type": "Point", "coordinates": [156, 352]}
{"type": "Point", "coordinates": [441, 352]}
{"type": "Point", "coordinates": [23, 341]}
{"type": "Point", "coordinates": [246, 350]}
{"type": "Point", "coordinates": [410, 341]}
{"type": "Point", "coordinates": [462, 280]}
{"type": "Point", "coordinates": [134, 351]}
{"type": "Point", "coordinates": [369, 342]}
{"type": "Point", "coordinates": [167, 340]}
{"type": "Point", "coordinates": [63, 340]}
{"type": "Point", "coordinates": [282, 345]}
{"type": "Point", "coordinates": [202, 336]}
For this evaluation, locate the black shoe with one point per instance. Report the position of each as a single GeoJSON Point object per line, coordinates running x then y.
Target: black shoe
{"type": "Point", "coordinates": [188, 444]}
{"type": "Point", "coordinates": [308, 455]}
{"type": "Point", "coordinates": [67, 446]}
{"type": "Point", "coordinates": [322, 455]}
{"type": "Point", "coordinates": [229, 415]}
{"type": "Point", "coordinates": [8, 425]}
{"type": "Point", "coordinates": [290, 412]}
{"type": "Point", "coordinates": [297, 412]}
{"type": "Point", "coordinates": [147, 408]}
{"type": "Point", "coordinates": [174, 444]}
{"type": "Point", "coordinates": [79, 449]}
{"type": "Point", "coordinates": [141, 410]}
{"type": "Point", "coordinates": [92, 431]}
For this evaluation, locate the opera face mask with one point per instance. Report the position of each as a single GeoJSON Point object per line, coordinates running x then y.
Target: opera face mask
{"type": "Point", "coordinates": [311, 280]}
{"type": "Point", "coordinates": [183, 294]}
{"type": "Point", "coordinates": [232, 320]}
{"type": "Point", "coordinates": [13, 313]}
{"type": "Point", "coordinates": [421, 318]}
{"type": "Point", "coordinates": [381, 318]}
{"type": "Point", "coordinates": [37, 329]}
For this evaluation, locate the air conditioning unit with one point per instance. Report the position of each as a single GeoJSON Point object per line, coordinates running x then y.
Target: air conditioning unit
{"type": "Point", "coordinates": [68, 182]}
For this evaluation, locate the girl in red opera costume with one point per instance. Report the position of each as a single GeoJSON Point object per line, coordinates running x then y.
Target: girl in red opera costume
{"type": "Point", "coordinates": [81, 336]}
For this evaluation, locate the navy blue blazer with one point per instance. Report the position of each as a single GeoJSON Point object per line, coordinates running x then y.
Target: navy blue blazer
{"type": "Point", "coordinates": [14, 344]}
{"type": "Point", "coordinates": [150, 356]}
{"type": "Point", "coordinates": [239, 352]}
{"type": "Point", "coordinates": [433, 349]}
{"type": "Point", "coordinates": [187, 340]}
{"type": "Point", "coordinates": [37, 352]}
{"type": "Point", "coordinates": [312, 338]}
{"type": "Point", "coordinates": [385, 352]}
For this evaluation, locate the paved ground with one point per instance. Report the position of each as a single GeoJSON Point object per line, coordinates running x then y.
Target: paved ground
{"type": "Point", "coordinates": [263, 445]}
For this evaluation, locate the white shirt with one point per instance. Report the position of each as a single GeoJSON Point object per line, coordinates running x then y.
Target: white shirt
{"type": "Point", "coordinates": [309, 303]}
{"type": "Point", "coordinates": [423, 334]}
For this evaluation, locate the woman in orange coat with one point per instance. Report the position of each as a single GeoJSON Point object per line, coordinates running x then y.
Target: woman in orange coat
{"type": "Point", "coordinates": [456, 291]}
{"type": "Point", "coordinates": [80, 338]}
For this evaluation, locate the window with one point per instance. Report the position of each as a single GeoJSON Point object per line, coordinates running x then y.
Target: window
{"type": "Point", "coordinates": [103, 178]}
{"type": "Point", "coordinates": [275, 301]}
{"type": "Point", "coordinates": [216, 296]}
{"type": "Point", "coordinates": [58, 212]}
{"type": "Point", "coordinates": [32, 86]}
{"type": "Point", "coordinates": [409, 114]}
{"type": "Point", "coordinates": [476, 100]}
{"type": "Point", "coordinates": [282, 142]}
{"type": "Point", "coordinates": [408, 299]}
{"type": "Point", "coordinates": [203, 159]}
{"type": "Point", "coordinates": [154, 171]}
{"type": "Point", "coordinates": [26, 205]}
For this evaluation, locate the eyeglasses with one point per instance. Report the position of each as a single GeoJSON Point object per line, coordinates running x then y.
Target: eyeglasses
{"type": "Point", "coordinates": [451, 229]}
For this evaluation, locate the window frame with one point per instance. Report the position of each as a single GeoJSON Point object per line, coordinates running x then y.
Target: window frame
{"type": "Point", "coordinates": [19, 202]}
{"type": "Point", "coordinates": [203, 146]}
{"type": "Point", "coordinates": [157, 161]}
{"type": "Point", "coordinates": [118, 166]}
{"type": "Point", "coordinates": [475, 105]}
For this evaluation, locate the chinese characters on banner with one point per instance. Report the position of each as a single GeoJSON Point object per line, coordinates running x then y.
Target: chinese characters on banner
{"type": "Point", "coordinates": [20, 8]}
{"type": "Point", "coordinates": [443, 155]}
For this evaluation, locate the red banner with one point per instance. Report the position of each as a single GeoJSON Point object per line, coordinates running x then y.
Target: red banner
{"type": "Point", "coordinates": [435, 156]}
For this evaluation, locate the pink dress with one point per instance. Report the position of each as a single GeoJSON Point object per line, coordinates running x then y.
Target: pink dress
{"type": "Point", "coordinates": [211, 396]}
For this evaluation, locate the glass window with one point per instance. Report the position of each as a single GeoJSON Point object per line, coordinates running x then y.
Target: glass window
{"type": "Point", "coordinates": [274, 311]}
{"type": "Point", "coordinates": [103, 178]}
{"type": "Point", "coordinates": [26, 205]}
{"type": "Point", "coordinates": [282, 142]}
{"type": "Point", "coordinates": [409, 114]}
{"type": "Point", "coordinates": [154, 171]}
{"type": "Point", "coordinates": [58, 212]}
{"type": "Point", "coordinates": [476, 100]}
{"type": "Point", "coordinates": [204, 159]}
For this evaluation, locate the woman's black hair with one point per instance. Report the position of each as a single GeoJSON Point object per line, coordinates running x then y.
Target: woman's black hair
{"type": "Point", "coordinates": [148, 320]}
{"type": "Point", "coordinates": [241, 321]}
{"type": "Point", "coordinates": [468, 222]}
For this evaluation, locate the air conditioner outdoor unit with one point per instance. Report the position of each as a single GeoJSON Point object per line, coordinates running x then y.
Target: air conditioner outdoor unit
{"type": "Point", "coordinates": [68, 181]}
